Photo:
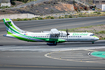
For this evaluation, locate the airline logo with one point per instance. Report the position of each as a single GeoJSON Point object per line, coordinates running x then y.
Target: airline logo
{"type": "Point", "coordinates": [26, 34]}
{"type": "Point", "coordinates": [82, 34]}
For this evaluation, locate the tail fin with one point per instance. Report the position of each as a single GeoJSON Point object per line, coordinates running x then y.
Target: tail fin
{"type": "Point", "coordinates": [10, 26]}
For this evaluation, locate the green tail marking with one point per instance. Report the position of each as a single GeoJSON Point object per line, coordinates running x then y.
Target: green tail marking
{"type": "Point", "coordinates": [9, 24]}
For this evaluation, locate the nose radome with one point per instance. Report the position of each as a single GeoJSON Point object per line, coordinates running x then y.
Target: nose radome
{"type": "Point", "coordinates": [96, 38]}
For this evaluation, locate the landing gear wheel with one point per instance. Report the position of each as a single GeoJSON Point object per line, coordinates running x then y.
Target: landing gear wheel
{"type": "Point", "coordinates": [93, 42]}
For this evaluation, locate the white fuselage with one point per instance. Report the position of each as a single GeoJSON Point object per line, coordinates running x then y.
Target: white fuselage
{"type": "Point", "coordinates": [72, 37]}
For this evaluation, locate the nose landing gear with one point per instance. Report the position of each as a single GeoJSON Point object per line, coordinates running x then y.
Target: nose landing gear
{"type": "Point", "coordinates": [92, 42]}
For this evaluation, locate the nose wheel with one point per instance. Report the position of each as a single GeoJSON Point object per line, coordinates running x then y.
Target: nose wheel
{"type": "Point", "coordinates": [93, 42]}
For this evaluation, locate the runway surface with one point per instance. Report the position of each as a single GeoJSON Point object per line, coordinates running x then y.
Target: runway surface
{"type": "Point", "coordinates": [43, 25]}
{"type": "Point", "coordinates": [62, 56]}
{"type": "Point", "coordinates": [16, 54]}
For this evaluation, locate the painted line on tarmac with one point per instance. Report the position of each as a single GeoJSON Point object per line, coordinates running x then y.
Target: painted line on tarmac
{"type": "Point", "coordinates": [42, 49]}
{"type": "Point", "coordinates": [90, 49]}
{"type": "Point", "coordinates": [53, 67]}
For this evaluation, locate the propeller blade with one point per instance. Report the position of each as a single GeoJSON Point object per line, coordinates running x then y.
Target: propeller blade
{"type": "Point", "coordinates": [67, 32]}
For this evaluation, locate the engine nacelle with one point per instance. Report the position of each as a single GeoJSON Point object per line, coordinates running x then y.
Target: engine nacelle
{"type": "Point", "coordinates": [63, 33]}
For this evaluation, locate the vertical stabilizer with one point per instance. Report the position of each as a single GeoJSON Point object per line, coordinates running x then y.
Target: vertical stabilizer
{"type": "Point", "coordinates": [10, 26]}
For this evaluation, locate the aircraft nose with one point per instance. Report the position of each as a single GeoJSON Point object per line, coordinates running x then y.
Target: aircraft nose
{"type": "Point", "coordinates": [96, 38]}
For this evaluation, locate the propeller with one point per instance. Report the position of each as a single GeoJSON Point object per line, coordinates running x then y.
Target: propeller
{"type": "Point", "coordinates": [67, 32]}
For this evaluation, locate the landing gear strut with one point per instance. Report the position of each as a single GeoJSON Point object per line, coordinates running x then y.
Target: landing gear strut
{"type": "Point", "coordinates": [55, 43]}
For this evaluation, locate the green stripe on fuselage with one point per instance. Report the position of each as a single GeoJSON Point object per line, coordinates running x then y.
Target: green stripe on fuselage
{"type": "Point", "coordinates": [21, 38]}
{"type": "Point", "coordinates": [30, 37]}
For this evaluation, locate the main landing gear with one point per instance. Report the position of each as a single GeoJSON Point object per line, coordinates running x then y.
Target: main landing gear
{"type": "Point", "coordinates": [54, 43]}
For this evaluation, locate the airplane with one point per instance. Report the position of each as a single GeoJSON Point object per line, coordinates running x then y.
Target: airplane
{"type": "Point", "coordinates": [53, 36]}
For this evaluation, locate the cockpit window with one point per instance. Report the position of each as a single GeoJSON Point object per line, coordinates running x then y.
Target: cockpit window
{"type": "Point", "coordinates": [91, 34]}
